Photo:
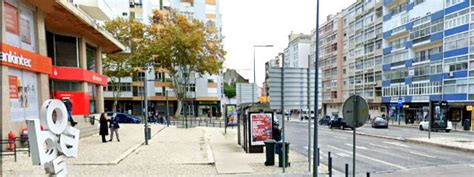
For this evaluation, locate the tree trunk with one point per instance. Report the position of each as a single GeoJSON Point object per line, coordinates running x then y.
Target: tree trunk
{"type": "Point", "coordinates": [178, 109]}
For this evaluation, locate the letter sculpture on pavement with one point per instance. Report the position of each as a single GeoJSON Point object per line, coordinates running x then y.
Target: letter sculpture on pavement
{"type": "Point", "coordinates": [57, 141]}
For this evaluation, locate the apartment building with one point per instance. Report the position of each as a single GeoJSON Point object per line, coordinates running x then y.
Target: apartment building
{"type": "Point", "coordinates": [206, 91]}
{"type": "Point", "coordinates": [50, 49]}
{"type": "Point", "coordinates": [330, 64]}
{"type": "Point", "coordinates": [427, 47]}
{"type": "Point", "coordinates": [298, 51]}
{"type": "Point", "coordinates": [362, 53]}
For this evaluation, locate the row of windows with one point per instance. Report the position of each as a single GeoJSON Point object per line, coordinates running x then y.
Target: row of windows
{"type": "Point", "coordinates": [457, 19]}
{"type": "Point", "coordinates": [426, 29]}
{"type": "Point", "coordinates": [425, 55]}
{"type": "Point", "coordinates": [457, 41]}
{"type": "Point", "coordinates": [395, 57]}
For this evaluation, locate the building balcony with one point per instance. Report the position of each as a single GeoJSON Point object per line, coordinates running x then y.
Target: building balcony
{"type": "Point", "coordinates": [97, 9]}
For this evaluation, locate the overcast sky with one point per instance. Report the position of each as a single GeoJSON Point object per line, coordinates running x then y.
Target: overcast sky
{"type": "Point", "coordinates": [249, 22]}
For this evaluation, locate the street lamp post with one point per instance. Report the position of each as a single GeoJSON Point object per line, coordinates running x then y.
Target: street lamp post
{"type": "Point", "coordinates": [254, 75]}
{"type": "Point", "coordinates": [316, 108]}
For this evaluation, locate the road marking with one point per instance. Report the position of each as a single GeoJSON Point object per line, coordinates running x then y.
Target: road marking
{"type": "Point", "coordinates": [340, 138]}
{"type": "Point", "coordinates": [395, 143]}
{"type": "Point", "coordinates": [421, 154]}
{"type": "Point", "coordinates": [370, 158]}
{"type": "Point", "coordinates": [385, 147]}
{"type": "Point", "coordinates": [359, 147]}
{"type": "Point", "coordinates": [342, 154]}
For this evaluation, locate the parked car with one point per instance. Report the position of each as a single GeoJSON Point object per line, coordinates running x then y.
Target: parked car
{"type": "Point", "coordinates": [338, 123]}
{"type": "Point", "coordinates": [379, 122]}
{"type": "Point", "coordinates": [124, 117]}
{"type": "Point", "coordinates": [325, 120]}
{"type": "Point", "coordinates": [424, 125]}
{"type": "Point", "coordinates": [304, 114]}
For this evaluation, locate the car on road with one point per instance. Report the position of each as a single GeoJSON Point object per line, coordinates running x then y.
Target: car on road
{"type": "Point", "coordinates": [379, 122]}
{"type": "Point", "coordinates": [424, 125]}
{"type": "Point", "coordinates": [325, 120]}
{"type": "Point", "coordinates": [124, 117]}
{"type": "Point", "coordinates": [338, 123]}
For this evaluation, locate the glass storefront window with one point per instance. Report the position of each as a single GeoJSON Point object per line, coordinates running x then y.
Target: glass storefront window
{"type": "Point", "coordinates": [67, 86]}
{"type": "Point", "coordinates": [91, 54]}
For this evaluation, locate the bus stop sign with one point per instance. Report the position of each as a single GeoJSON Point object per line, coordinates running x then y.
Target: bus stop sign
{"type": "Point", "coordinates": [355, 111]}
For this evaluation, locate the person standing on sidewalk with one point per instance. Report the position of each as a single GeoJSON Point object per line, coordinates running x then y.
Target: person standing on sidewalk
{"type": "Point", "coordinates": [103, 131]}
{"type": "Point", "coordinates": [114, 126]}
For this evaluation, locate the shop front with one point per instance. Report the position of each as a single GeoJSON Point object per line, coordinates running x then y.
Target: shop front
{"type": "Point", "coordinates": [78, 85]}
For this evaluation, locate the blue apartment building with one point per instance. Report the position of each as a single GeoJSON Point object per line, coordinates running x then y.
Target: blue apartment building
{"type": "Point", "coordinates": [428, 56]}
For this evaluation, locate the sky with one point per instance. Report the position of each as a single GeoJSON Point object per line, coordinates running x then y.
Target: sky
{"type": "Point", "coordinates": [246, 23]}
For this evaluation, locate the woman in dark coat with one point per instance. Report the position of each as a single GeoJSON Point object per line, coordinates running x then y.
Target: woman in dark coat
{"type": "Point", "coordinates": [104, 129]}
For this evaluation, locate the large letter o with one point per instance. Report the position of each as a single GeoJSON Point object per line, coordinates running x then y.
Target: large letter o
{"type": "Point", "coordinates": [46, 116]}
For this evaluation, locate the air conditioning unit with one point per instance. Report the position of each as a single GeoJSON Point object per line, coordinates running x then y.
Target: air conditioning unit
{"type": "Point", "coordinates": [451, 74]}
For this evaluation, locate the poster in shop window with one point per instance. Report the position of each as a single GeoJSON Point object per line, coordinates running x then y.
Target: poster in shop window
{"type": "Point", "coordinates": [24, 103]}
{"type": "Point", "coordinates": [261, 127]}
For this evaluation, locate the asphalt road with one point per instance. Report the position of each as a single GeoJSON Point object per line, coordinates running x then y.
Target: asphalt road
{"type": "Point", "coordinates": [382, 156]}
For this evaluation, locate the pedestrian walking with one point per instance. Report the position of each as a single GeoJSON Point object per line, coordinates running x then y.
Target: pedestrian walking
{"type": "Point", "coordinates": [103, 131]}
{"type": "Point", "coordinates": [114, 127]}
{"type": "Point", "coordinates": [68, 105]}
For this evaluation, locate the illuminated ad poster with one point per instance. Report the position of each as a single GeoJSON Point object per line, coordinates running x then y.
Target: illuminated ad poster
{"type": "Point", "coordinates": [261, 127]}
{"type": "Point", "coordinates": [231, 115]}
{"type": "Point", "coordinates": [23, 101]}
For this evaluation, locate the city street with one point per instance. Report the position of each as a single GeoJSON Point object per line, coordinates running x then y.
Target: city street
{"type": "Point", "coordinates": [384, 157]}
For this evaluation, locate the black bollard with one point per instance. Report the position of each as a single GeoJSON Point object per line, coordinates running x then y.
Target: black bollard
{"type": "Point", "coordinates": [329, 164]}
{"type": "Point", "coordinates": [318, 156]}
{"type": "Point", "coordinates": [347, 170]}
{"type": "Point", "coordinates": [368, 174]}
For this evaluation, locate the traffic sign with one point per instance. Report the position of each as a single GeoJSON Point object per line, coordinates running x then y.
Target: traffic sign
{"type": "Point", "coordinates": [355, 111]}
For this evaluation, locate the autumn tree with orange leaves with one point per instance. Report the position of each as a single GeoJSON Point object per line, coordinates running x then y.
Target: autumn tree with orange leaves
{"type": "Point", "coordinates": [183, 48]}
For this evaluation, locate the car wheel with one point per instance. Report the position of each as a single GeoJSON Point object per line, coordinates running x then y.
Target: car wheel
{"type": "Point", "coordinates": [421, 128]}
{"type": "Point", "coordinates": [447, 131]}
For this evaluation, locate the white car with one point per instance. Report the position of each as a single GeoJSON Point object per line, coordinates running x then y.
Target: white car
{"type": "Point", "coordinates": [424, 125]}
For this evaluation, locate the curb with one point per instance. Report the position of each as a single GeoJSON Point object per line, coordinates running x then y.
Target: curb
{"type": "Point", "coordinates": [123, 156]}
{"type": "Point", "coordinates": [441, 145]}
{"type": "Point", "coordinates": [416, 141]}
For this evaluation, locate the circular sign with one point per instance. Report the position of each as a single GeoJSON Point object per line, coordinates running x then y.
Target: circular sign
{"type": "Point", "coordinates": [355, 111]}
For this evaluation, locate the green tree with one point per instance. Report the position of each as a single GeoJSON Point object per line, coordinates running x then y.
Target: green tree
{"type": "Point", "coordinates": [229, 90]}
{"type": "Point", "coordinates": [184, 48]}
{"type": "Point", "coordinates": [131, 33]}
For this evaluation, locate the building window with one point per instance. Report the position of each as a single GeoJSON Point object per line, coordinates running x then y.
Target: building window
{"type": "Point", "coordinates": [91, 55]}
{"type": "Point", "coordinates": [450, 3]}
{"type": "Point", "coordinates": [457, 41]}
{"type": "Point", "coordinates": [456, 19]}
{"type": "Point", "coordinates": [63, 50]}
{"type": "Point", "coordinates": [66, 86]}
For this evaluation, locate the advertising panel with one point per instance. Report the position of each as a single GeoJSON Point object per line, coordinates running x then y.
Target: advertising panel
{"type": "Point", "coordinates": [231, 115]}
{"type": "Point", "coordinates": [11, 24]}
{"type": "Point", "coordinates": [23, 101]}
{"type": "Point", "coordinates": [260, 127]}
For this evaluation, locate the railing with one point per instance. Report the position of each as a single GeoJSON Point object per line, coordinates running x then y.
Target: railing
{"type": "Point", "coordinates": [15, 149]}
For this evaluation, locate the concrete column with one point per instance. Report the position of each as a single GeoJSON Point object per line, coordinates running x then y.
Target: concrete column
{"type": "Point", "coordinates": [82, 53]}
{"type": "Point", "coordinates": [4, 102]}
{"type": "Point", "coordinates": [43, 79]}
{"type": "Point", "coordinates": [100, 89]}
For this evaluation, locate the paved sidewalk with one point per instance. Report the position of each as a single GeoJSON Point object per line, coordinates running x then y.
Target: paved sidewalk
{"type": "Point", "coordinates": [171, 152]}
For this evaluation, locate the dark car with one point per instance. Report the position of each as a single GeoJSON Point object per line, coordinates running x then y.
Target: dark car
{"type": "Point", "coordinates": [325, 120]}
{"type": "Point", "coordinates": [379, 122]}
{"type": "Point", "coordinates": [338, 123]}
{"type": "Point", "coordinates": [124, 118]}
